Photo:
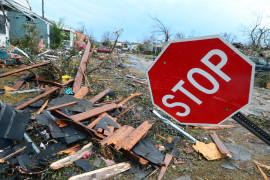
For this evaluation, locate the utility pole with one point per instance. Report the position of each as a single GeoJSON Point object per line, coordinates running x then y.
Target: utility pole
{"type": "Point", "coordinates": [43, 16]}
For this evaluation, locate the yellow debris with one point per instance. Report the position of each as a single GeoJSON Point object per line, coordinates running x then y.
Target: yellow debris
{"type": "Point", "coordinates": [209, 151]}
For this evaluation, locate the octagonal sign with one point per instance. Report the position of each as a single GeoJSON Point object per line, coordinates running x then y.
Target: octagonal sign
{"type": "Point", "coordinates": [202, 80]}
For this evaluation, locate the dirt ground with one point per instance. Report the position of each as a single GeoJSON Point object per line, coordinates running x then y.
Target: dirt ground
{"type": "Point", "coordinates": [124, 80]}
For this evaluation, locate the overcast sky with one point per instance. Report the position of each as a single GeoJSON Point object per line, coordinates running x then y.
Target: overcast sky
{"type": "Point", "coordinates": [191, 17]}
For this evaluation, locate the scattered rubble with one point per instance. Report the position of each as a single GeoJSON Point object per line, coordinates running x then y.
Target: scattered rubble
{"type": "Point", "coordinates": [97, 122]}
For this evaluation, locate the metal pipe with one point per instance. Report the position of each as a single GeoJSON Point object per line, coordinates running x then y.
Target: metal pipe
{"type": "Point", "coordinates": [175, 126]}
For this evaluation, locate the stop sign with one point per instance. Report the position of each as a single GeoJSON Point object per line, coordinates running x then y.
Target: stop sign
{"type": "Point", "coordinates": [201, 80]}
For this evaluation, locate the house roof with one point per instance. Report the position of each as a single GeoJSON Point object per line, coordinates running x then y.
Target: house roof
{"type": "Point", "coordinates": [22, 6]}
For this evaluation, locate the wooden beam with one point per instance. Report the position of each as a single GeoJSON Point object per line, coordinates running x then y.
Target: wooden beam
{"type": "Point", "coordinates": [82, 68]}
{"type": "Point", "coordinates": [99, 96]}
{"type": "Point", "coordinates": [93, 112]}
{"type": "Point", "coordinates": [103, 173]}
{"type": "Point", "coordinates": [167, 161]}
{"type": "Point", "coordinates": [61, 106]}
{"type": "Point", "coordinates": [221, 147]}
{"type": "Point", "coordinates": [31, 101]}
{"type": "Point", "coordinates": [24, 69]}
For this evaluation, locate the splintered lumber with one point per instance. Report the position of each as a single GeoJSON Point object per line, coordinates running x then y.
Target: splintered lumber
{"type": "Point", "coordinates": [70, 159]}
{"type": "Point", "coordinates": [82, 68]}
{"type": "Point", "coordinates": [45, 94]}
{"type": "Point", "coordinates": [61, 106]}
{"type": "Point", "coordinates": [167, 161]}
{"type": "Point", "coordinates": [129, 98]}
{"type": "Point", "coordinates": [94, 112]}
{"type": "Point", "coordinates": [95, 122]}
{"type": "Point", "coordinates": [24, 69]}
{"type": "Point", "coordinates": [81, 93]}
{"type": "Point", "coordinates": [103, 173]}
{"type": "Point", "coordinates": [209, 151]}
{"type": "Point", "coordinates": [133, 138]}
{"type": "Point", "coordinates": [222, 148]}
{"type": "Point", "coordinates": [215, 127]}
{"type": "Point", "coordinates": [118, 135]}
{"type": "Point", "coordinates": [99, 96]}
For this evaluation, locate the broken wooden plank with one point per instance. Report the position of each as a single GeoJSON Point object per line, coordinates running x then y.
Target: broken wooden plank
{"type": "Point", "coordinates": [24, 69]}
{"type": "Point", "coordinates": [167, 161]}
{"type": "Point", "coordinates": [129, 98]}
{"type": "Point", "coordinates": [70, 159]}
{"type": "Point", "coordinates": [93, 123]}
{"type": "Point", "coordinates": [222, 148]}
{"type": "Point", "coordinates": [45, 94]}
{"type": "Point", "coordinates": [118, 135]}
{"type": "Point", "coordinates": [209, 151]}
{"type": "Point", "coordinates": [99, 96]}
{"type": "Point", "coordinates": [133, 138]}
{"type": "Point", "coordinates": [43, 107]}
{"type": "Point", "coordinates": [103, 173]}
{"type": "Point", "coordinates": [61, 106]}
{"type": "Point", "coordinates": [81, 93]}
{"type": "Point", "coordinates": [126, 110]}
{"type": "Point", "coordinates": [93, 112]}
{"type": "Point", "coordinates": [82, 68]}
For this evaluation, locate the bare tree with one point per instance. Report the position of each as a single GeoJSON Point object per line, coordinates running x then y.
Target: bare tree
{"type": "Point", "coordinates": [179, 35]}
{"type": "Point", "coordinates": [116, 37]}
{"type": "Point", "coordinates": [161, 29]}
{"type": "Point", "coordinates": [229, 37]}
{"type": "Point", "coordinates": [106, 39]}
{"type": "Point", "coordinates": [258, 34]}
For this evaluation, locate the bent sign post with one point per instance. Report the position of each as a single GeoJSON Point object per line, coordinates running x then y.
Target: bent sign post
{"type": "Point", "coordinates": [201, 81]}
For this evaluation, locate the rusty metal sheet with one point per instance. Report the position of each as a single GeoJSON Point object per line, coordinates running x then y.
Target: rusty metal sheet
{"type": "Point", "coordinates": [82, 68]}
{"type": "Point", "coordinates": [133, 138]}
{"type": "Point", "coordinates": [45, 94]}
{"type": "Point", "coordinates": [93, 112]}
{"type": "Point", "coordinates": [221, 147]}
{"type": "Point", "coordinates": [61, 106]}
{"type": "Point", "coordinates": [99, 96]}
{"type": "Point", "coordinates": [24, 68]}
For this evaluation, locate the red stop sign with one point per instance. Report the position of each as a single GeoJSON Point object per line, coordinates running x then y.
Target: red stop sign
{"type": "Point", "coordinates": [202, 80]}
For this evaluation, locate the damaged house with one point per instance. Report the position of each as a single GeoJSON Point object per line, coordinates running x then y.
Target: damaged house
{"type": "Point", "coordinates": [17, 19]}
